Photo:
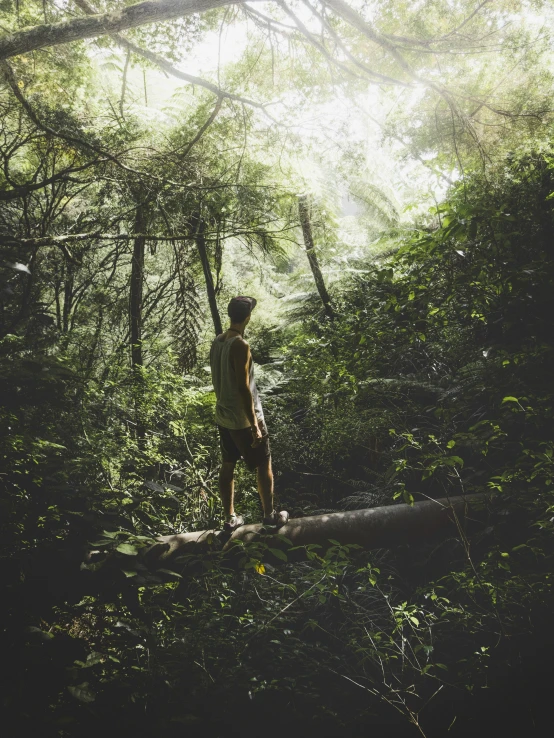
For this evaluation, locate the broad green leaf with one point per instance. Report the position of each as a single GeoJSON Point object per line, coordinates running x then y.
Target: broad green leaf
{"type": "Point", "coordinates": [82, 692]}
{"type": "Point", "coordinates": [278, 553]}
{"type": "Point", "coordinates": [171, 573]}
{"type": "Point", "coordinates": [407, 497]}
{"type": "Point", "coordinates": [45, 635]}
{"type": "Point", "coordinates": [94, 658]}
{"type": "Point", "coordinates": [127, 549]}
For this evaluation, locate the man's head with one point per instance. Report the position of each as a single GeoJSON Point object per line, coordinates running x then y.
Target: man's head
{"type": "Point", "coordinates": [239, 309]}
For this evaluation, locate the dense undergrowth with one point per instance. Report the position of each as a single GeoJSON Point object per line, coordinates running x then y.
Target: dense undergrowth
{"type": "Point", "coordinates": [435, 379]}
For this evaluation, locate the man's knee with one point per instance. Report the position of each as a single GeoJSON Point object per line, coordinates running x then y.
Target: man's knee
{"type": "Point", "coordinates": [227, 469]}
{"type": "Point", "coordinates": [264, 468]}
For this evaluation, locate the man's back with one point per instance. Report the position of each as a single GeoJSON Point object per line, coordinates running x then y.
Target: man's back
{"type": "Point", "coordinates": [230, 412]}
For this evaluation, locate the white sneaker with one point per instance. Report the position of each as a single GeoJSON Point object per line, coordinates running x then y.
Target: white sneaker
{"type": "Point", "coordinates": [234, 522]}
{"type": "Point", "coordinates": [277, 519]}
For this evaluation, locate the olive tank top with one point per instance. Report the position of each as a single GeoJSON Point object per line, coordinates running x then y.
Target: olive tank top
{"type": "Point", "coordinates": [229, 408]}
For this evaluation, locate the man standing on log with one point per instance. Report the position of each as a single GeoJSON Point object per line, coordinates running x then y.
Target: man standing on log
{"type": "Point", "coordinates": [239, 416]}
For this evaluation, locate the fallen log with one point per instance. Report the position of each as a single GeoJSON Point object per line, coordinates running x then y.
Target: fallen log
{"type": "Point", "coordinates": [377, 527]}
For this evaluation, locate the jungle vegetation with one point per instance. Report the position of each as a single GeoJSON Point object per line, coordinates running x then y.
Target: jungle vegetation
{"type": "Point", "coordinates": [380, 176]}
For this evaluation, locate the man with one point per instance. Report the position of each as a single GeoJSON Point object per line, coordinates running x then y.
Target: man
{"type": "Point", "coordinates": [239, 416]}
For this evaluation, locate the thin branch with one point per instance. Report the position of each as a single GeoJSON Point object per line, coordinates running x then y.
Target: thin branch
{"type": "Point", "coordinates": [203, 128]}
{"type": "Point", "coordinates": [428, 41]}
{"type": "Point", "coordinates": [267, 20]}
{"type": "Point", "coordinates": [192, 79]}
{"type": "Point", "coordinates": [170, 69]}
{"type": "Point", "coordinates": [25, 189]}
{"type": "Point", "coordinates": [352, 17]}
{"type": "Point", "coordinates": [77, 237]}
{"type": "Point", "coordinates": [340, 43]}
{"type": "Point", "coordinates": [7, 73]}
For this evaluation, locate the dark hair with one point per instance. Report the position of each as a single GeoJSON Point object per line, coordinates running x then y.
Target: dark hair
{"type": "Point", "coordinates": [240, 308]}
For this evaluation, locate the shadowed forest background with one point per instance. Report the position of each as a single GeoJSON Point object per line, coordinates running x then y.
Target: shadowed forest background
{"type": "Point", "coordinates": [380, 176]}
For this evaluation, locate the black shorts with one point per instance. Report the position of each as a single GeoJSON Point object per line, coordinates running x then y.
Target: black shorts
{"type": "Point", "coordinates": [237, 444]}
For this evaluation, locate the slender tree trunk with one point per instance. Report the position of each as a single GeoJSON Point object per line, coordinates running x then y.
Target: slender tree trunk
{"type": "Point", "coordinates": [26, 299]}
{"type": "Point", "coordinates": [124, 85]}
{"type": "Point", "coordinates": [95, 342]}
{"type": "Point", "coordinates": [57, 294]}
{"type": "Point", "coordinates": [304, 213]}
{"type": "Point", "coordinates": [67, 297]}
{"type": "Point", "coordinates": [210, 288]}
{"type": "Point", "coordinates": [137, 280]}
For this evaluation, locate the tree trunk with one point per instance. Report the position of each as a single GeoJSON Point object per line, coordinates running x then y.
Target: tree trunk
{"type": "Point", "coordinates": [304, 214]}
{"type": "Point", "coordinates": [210, 288]}
{"type": "Point", "coordinates": [137, 281]}
{"type": "Point", "coordinates": [101, 24]}
{"type": "Point", "coordinates": [378, 527]}
{"type": "Point", "coordinates": [67, 297]}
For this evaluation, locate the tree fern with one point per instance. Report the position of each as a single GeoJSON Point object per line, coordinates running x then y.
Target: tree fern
{"type": "Point", "coordinates": [188, 317]}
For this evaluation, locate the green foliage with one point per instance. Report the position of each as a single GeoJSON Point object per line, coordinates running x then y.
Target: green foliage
{"type": "Point", "coordinates": [434, 379]}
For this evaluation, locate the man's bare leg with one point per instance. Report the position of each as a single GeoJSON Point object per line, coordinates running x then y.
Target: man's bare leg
{"type": "Point", "coordinates": [265, 486]}
{"type": "Point", "coordinates": [227, 487]}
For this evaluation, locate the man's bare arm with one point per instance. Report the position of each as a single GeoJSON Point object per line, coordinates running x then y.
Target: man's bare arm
{"type": "Point", "coordinates": [240, 356]}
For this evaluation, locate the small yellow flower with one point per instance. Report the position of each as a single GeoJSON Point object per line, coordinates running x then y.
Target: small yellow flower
{"type": "Point", "coordinates": [21, 84]}
{"type": "Point", "coordinates": [260, 568]}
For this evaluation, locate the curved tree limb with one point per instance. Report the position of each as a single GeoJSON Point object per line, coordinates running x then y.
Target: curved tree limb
{"type": "Point", "coordinates": [284, 29]}
{"type": "Point", "coordinates": [203, 128]}
{"type": "Point", "coordinates": [163, 64]}
{"type": "Point", "coordinates": [374, 76]}
{"type": "Point", "coordinates": [428, 41]}
{"type": "Point", "coordinates": [352, 17]}
{"type": "Point", "coordinates": [159, 10]}
{"type": "Point", "coordinates": [340, 43]}
{"type": "Point", "coordinates": [7, 73]}
{"type": "Point", "coordinates": [150, 11]}
{"type": "Point", "coordinates": [25, 189]}
{"type": "Point", "coordinates": [191, 78]}
{"type": "Point", "coordinates": [77, 237]}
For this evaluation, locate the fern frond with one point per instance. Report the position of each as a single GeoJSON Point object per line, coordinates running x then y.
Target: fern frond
{"type": "Point", "coordinates": [188, 318]}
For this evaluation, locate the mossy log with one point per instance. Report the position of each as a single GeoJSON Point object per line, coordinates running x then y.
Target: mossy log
{"type": "Point", "coordinates": [378, 527]}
